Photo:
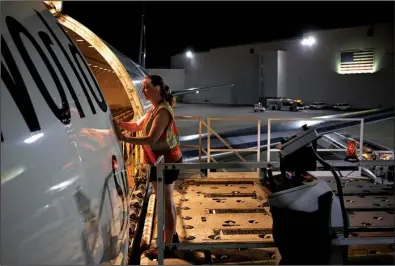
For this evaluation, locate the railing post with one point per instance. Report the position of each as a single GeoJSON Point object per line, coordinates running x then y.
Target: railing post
{"type": "Point", "coordinates": [361, 143]}
{"type": "Point", "coordinates": [161, 211]}
{"type": "Point", "coordinates": [361, 139]}
{"type": "Point", "coordinates": [269, 120]}
{"type": "Point", "coordinates": [258, 155]}
{"type": "Point", "coordinates": [199, 119]}
{"type": "Point", "coordinates": [200, 138]}
{"type": "Point", "coordinates": [208, 142]}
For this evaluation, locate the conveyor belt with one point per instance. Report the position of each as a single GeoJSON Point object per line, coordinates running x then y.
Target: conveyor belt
{"type": "Point", "coordinates": [370, 206]}
{"type": "Point", "coordinates": [361, 187]}
{"type": "Point", "coordinates": [226, 218]}
{"type": "Point", "coordinates": [198, 222]}
{"type": "Point", "coordinates": [241, 218]}
{"type": "Point", "coordinates": [366, 250]}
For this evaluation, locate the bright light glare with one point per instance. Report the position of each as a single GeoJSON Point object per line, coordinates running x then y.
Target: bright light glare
{"type": "Point", "coordinates": [309, 41]}
{"type": "Point", "coordinates": [197, 92]}
{"type": "Point", "coordinates": [12, 173]}
{"type": "Point", "coordinates": [63, 185]}
{"type": "Point", "coordinates": [189, 54]}
{"type": "Point", "coordinates": [33, 138]}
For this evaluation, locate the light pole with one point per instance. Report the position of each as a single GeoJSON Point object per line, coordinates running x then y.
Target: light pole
{"type": "Point", "coordinates": [142, 38]}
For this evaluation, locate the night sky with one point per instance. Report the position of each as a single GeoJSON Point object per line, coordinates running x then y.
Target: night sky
{"type": "Point", "coordinates": [174, 27]}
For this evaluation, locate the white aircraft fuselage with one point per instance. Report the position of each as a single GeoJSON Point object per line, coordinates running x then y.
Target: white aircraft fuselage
{"type": "Point", "coordinates": [63, 198]}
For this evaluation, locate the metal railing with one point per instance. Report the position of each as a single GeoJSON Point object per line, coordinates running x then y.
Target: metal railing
{"type": "Point", "coordinates": [229, 148]}
{"type": "Point", "coordinates": [198, 146]}
{"type": "Point", "coordinates": [211, 131]}
{"type": "Point", "coordinates": [269, 123]}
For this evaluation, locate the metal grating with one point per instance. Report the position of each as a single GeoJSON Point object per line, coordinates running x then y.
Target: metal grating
{"type": "Point", "coordinates": [244, 231]}
{"type": "Point", "coordinates": [369, 203]}
{"type": "Point", "coordinates": [219, 182]}
{"type": "Point", "coordinates": [222, 211]}
{"type": "Point", "coordinates": [229, 195]}
{"type": "Point", "coordinates": [371, 221]}
{"type": "Point", "coordinates": [355, 187]}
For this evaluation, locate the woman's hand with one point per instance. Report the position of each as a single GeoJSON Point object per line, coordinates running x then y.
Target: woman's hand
{"type": "Point", "coordinates": [129, 126]}
{"type": "Point", "coordinates": [117, 130]}
{"type": "Point", "coordinates": [161, 121]}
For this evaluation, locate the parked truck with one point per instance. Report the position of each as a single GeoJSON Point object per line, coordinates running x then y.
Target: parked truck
{"type": "Point", "coordinates": [281, 104]}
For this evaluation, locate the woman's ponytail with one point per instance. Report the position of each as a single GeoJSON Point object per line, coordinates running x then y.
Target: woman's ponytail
{"type": "Point", "coordinates": [164, 89]}
{"type": "Point", "coordinates": [169, 97]}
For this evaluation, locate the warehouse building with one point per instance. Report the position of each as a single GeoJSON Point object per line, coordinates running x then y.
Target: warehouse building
{"type": "Point", "coordinates": [352, 65]}
{"type": "Point", "coordinates": [174, 78]}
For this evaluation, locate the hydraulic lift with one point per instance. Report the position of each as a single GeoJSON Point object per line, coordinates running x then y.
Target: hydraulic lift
{"type": "Point", "coordinates": [296, 216]}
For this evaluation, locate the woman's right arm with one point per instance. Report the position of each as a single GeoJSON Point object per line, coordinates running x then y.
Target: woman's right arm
{"type": "Point", "coordinates": [133, 126]}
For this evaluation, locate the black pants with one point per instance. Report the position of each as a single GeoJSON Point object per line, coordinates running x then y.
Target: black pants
{"type": "Point", "coordinates": [170, 175]}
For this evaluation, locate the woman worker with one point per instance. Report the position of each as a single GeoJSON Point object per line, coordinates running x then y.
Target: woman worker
{"type": "Point", "coordinates": [160, 137]}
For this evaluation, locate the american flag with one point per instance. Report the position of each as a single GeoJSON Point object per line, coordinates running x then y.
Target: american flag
{"type": "Point", "coordinates": [357, 61]}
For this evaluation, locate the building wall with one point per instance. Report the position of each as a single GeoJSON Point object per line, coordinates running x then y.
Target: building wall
{"type": "Point", "coordinates": [282, 74]}
{"type": "Point", "coordinates": [218, 68]}
{"type": "Point", "coordinates": [174, 78]}
{"type": "Point", "coordinates": [288, 69]}
{"type": "Point", "coordinates": [313, 72]}
{"type": "Point", "coordinates": [269, 73]}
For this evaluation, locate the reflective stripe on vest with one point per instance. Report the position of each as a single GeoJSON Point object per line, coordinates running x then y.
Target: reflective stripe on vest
{"type": "Point", "coordinates": [170, 138]}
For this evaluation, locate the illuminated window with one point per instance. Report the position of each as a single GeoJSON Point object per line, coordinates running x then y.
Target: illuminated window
{"type": "Point", "coordinates": [357, 61]}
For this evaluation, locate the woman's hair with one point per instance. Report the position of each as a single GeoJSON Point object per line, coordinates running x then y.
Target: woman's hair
{"type": "Point", "coordinates": [165, 91]}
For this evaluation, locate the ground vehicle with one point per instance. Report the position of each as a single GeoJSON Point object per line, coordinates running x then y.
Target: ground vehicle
{"type": "Point", "coordinates": [281, 104]}
{"type": "Point", "coordinates": [259, 108]}
{"type": "Point", "coordinates": [300, 105]}
{"type": "Point", "coordinates": [341, 106]}
{"type": "Point", "coordinates": [317, 105]}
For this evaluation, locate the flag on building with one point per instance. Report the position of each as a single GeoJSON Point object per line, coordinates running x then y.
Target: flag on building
{"type": "Point", "coordinates": [357, 61]}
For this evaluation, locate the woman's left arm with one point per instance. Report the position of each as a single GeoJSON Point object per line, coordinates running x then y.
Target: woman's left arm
{"type": "Point", "coordinates": [161, 121]}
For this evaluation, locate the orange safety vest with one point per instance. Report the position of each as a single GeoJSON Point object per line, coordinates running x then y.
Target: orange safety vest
{"type": "Point", "coordinates": [168, 143]}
